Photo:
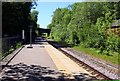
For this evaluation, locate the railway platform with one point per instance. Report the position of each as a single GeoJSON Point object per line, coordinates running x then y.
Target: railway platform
{"type": "Point", "coordinates": [45, 55]}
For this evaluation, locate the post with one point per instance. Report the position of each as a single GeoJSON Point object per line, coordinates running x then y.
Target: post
{"type": "Point", "coordinates": [23, 34]}
{"type": "Point", "coordinates": [30, 37]}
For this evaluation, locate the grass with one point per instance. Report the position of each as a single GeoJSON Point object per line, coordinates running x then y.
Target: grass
{"type": "Point", "coordinates": [113, 59]}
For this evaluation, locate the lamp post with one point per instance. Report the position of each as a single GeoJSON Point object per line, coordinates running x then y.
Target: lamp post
{"type": "Point", "coordinates": [30, 37]}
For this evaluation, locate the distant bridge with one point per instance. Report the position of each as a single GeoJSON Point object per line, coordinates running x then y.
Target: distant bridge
{"type": "Point", "coordinates": [42, 30]}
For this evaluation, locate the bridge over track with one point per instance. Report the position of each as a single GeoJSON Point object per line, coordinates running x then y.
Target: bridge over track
{"type": "Point", "coordinates": [42, 30]}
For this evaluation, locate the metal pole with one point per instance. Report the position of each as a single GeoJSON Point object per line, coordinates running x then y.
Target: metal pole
{"type": "Point", "coordinates": [30, 37]}
{"type": "Point", "coordinates": [23, 34]}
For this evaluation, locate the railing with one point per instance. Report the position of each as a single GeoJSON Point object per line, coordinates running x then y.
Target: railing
{"type": "Point", "coordinates": [0, 48]}
{"type": "Point", "coordinates": [8, 44]}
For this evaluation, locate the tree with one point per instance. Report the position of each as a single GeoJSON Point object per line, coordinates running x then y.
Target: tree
{"type": "Point", "coordinates": [34, 18]}
{"type": "Point", "coordinates": [15, 17]}
{"type": "Point", "coordinates": [86, 24]}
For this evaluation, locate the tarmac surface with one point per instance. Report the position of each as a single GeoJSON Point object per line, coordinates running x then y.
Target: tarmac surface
{"type": "Point", "coordinates": [44, 63]}
{"type": "Point", "coordinates": [46, 55]}
{"type": "Point", "coordinates": [34, 56]}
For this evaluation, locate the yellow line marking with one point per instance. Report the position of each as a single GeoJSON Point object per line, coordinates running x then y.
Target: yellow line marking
{"type": "Point", "coordinates": [62, 62]}
{"type": "Point", "coordinates": [56, 60]}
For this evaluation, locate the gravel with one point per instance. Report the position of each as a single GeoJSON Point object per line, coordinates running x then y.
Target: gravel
{"type": "Point", "coordinates": [99, 65]}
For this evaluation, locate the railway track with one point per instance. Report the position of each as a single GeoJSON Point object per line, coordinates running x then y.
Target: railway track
{"type": "Point", "coordinates": [88, 68]}
{"type": "Point", "coordinates": [93, 70]}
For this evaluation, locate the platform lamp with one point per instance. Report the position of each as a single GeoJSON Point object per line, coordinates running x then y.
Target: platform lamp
{"type": "Point", "coordinates": [30, 36]}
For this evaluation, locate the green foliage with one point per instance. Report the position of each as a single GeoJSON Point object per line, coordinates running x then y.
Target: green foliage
{"type": "Point", "coordinates": [87, 24]}
{"type": "Point", "coordinates": [15, 17]}
{"type": "Point", "coordinates": [34, 15]}
{"type": "Point", "coordinates": [19, 44]}
{"type": "Point", "coordinates": [93, 52]}
{"type": "Point", "coordinates": [34, 18]}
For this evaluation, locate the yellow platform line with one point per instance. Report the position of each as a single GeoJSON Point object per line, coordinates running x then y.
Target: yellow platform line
{"type": "Point", "coordinates": [56, 60]}
{"type": "Point", "coordinates": [62, 62]}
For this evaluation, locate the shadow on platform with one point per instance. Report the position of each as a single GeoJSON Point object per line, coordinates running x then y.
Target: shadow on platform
{"type": "Point", "coordinates": [23, 72]}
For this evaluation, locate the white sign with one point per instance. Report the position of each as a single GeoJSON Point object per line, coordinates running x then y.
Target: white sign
{"type": "Point", "coordinates": [23, 34]}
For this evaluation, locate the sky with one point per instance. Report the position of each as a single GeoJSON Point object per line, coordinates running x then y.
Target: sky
{"type": "Point", "coordinates": [46, 10]}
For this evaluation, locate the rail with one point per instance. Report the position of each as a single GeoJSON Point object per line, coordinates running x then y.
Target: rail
{"type": "Point", "coordinates": [94, 69]}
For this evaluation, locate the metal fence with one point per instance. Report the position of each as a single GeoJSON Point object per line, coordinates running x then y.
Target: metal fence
{"type": "Point", "coordinates": [0, 53]}
{"type": "Point", "coordinates": [9, 43]}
